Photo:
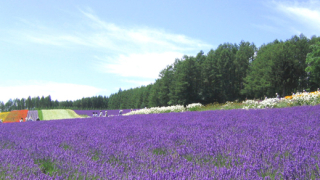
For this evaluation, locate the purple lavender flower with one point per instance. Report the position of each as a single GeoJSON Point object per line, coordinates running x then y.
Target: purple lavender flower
{"type": "Point", "coordinates": [226, 144]}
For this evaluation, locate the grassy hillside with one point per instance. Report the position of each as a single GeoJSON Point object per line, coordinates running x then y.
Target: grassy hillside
{"type": "Point", "coordinates": [59, 114]}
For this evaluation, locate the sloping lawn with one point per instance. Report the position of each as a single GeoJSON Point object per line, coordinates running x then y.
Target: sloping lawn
{"type": "Point", "coordinates": [59, 114]}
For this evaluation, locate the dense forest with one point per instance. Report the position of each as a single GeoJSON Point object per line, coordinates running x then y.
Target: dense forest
{"type": "Point", "coordinates": [232, 72]}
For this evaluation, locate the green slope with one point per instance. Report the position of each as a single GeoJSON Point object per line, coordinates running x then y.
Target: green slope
{"type": "Point", "coordinates": [59, 114]}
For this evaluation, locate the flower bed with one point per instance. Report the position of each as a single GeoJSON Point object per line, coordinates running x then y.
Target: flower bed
{"type": "Point", "coordinates": [3, 115]}
{"type": "Point", "coordinates": [166, 109]}
{"type": "Point", "coordinates": [298, 99]}
{"type": "Point", "coordinates": [32, 115]}
{"type": "Point", "coordinates": [15, 116]}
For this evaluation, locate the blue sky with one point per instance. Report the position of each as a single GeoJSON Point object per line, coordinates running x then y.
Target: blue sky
{"type": "Point", "coordinates": [74, 48]}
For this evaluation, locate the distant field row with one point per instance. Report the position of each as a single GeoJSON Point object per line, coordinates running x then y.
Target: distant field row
{"type": "Point", "coordinates": [13, 116]}
{"type": "Point", "coordinates": [54, 114]}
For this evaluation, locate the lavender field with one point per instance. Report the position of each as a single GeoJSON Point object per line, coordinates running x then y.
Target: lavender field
{"type": "Point", "coordinates": [110, 112]}
{"type": "Point", "coordinates": [227, 144]}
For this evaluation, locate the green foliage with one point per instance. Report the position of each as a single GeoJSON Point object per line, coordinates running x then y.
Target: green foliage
{"type": "Point", "coordinates": [221, 106]}
{"type": "Point", "coordinates": [284, 104]}
{"type": "Point", "coordinates": [313, 62]}
{"type": "Point", "coordinates": [47, 166]}
{"type": "Point", "coordinates": [194, 109]}
{"type": "Point", "coordinates": [188, 158]}
{"type": "Point", "coordinates": [7, 145]}
{"type": "Point", "coordinates": [278, 68]}
{"type": "Point", "coordinates": [114, 160]}
{"type": "Point", "coordinates": [50, 167]}
{"type": "Point", "coordinates": [95, 155]}
{"type": "Point", "coordinates": [159, 151]}
{"type": "Point", "coordinates": [65, 146]}
{"type": "Point", "coordinates": [222, 161]}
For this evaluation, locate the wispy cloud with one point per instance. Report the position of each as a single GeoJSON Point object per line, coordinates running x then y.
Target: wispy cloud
{"type": "Point", "coordinates": [141, 51]}
{"type": "Point", "coordinates": [306, 12]}
{"type": "Point", "coordinates": [59, 91]}
{"type": "Point", "coordinates": [127, 51]}
{"type": "Point", "coordinates": [141, 38]}
{"type": "Point", "coordinates": [102, 34]}
{"type": "Point", "coordinates": [295, 17]}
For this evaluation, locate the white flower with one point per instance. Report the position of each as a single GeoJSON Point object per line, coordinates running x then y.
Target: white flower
{"type": "Point", "coordinates": [164, 109]}
{"type": "Point", "coordinates": [194, 105]}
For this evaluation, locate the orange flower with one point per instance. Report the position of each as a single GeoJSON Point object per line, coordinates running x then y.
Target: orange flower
{"type": "Point", "coordinates": [15, 116]}
{"type": "Point", "coordinates": [288, 97]}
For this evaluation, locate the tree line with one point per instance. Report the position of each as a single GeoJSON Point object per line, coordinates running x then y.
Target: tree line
{"type": "Point", "coordinates": [36, 103]}
{"type": "Point", "coordinates": [231, 72]}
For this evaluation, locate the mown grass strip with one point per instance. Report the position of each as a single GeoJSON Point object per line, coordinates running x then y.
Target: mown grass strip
{"type": "Point", "coordinates": [59, 114]}
{"type": "Point", "coordinates": [40, 115]}
{"type": "Point", "coordinates": [73, 114]}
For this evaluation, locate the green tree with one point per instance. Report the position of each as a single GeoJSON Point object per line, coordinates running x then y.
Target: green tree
{"type": "Point", "coordinates": [277, 68]}
{"type": "Point", "coordinates": [153, 100]}
{"type": "Point", "coordinates": [257, 82]}
{"type": "Point", "coordinates": [182, 92]}
{"type": "Point", "coordinates": [47, 102]}
{"type": "Point", "coordinates": [165, 82]}
{"type": "Point", "coordinates": [42, 102]}
{"type": "Point", "coordinates": [209, 72]}
{"type": "Point", "coordinates": [301, 49]}
{"type": "Point", "coordinates": [313, 62]}
{"type": "Point", "coordinates": [225, 56]}
{"type": "Point", "coordinates": [243, 56]}
{"type": "Point", "coordinates": [2, 107]}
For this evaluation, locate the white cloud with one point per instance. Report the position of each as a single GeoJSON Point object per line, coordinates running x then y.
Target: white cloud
{"type": "Point", "coordinates": [143, 35]}
{"type": "Point", "coordinates": [141, 52]}
{"type": "Point", "coordinates": [137, 51]}
{"type": "Point", "coordinates": [97, 33]}
{"type": "Point", "coordinates": [146, 65]}
{"type": "Point", "coordinates": [307, 13]}
{"type": "Point", "coordinates": [59, 91]}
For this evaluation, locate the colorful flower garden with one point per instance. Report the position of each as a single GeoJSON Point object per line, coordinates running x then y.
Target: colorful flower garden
{"type": "Point", "coordinates": [13, 116]}
{"type": "Point", "coordinates": [298, 99]}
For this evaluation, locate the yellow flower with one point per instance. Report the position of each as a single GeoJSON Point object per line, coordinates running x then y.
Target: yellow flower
{"type": "Point", "coordinates": [288, 97]}
{"type": "Point", "coordinates": [3, 115]}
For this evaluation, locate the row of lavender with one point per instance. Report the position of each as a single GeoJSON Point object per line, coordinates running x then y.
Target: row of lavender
{"type": "Point", "coordinates": [32, 115]}
{"type": "Point", "coordinates": [230, 144]}
{"type": "Point", "coordinates": [110, 112]}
